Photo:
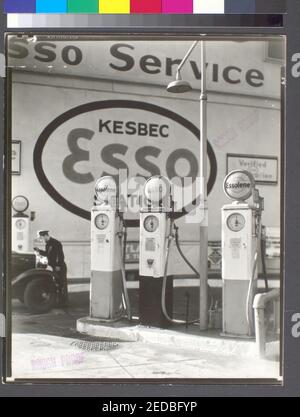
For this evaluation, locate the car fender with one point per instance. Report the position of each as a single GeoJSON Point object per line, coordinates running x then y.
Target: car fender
{"type": "Point", "coordinates": [26, 276]}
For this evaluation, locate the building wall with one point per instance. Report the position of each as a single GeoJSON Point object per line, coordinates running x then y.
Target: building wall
{"type": "Point", "coordinates": [237, 123]}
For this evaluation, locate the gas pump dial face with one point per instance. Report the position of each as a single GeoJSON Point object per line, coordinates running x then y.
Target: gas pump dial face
{"type": "Point", "coordinates": [101, 221]}
{"type": "Point", "coordinates": [236, 222]}
{"type": "Point", "coordinates": [151, 224]}
{"type": "Point", "coordinates": [20, 224]}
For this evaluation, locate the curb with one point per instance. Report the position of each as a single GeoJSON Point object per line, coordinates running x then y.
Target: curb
{"type": "Point", "coordinates": [208, 341]}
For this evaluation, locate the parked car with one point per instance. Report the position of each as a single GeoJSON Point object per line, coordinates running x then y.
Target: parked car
{"type": "Point", "coordinates": [32, 283]}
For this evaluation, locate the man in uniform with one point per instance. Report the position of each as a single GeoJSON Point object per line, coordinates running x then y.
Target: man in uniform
{"type": "Point", "coordinates": [56, 259]}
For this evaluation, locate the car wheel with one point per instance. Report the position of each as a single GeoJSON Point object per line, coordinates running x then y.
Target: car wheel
{"type": "Point", "coordinates": [40, 295]}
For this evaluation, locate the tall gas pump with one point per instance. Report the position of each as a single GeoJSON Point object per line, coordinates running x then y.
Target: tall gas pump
{"type": "Point", "coordinates": [241, 235]}
{"type": "Point", "coordinates": [108, 295]}
{"type": "Point", "coordinates": [21, 224]}
{"type": "Point", "coordinates": [155, 227]}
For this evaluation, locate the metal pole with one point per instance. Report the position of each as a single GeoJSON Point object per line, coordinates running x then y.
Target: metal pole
{"type": "Point", "coordinates": [186, 56]}
{"type": "Point", "coordinates": [203, 208]}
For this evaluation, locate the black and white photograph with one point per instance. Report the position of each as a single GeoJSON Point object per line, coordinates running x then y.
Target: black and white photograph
{"type": "Point", "coordinates": [145, 207]}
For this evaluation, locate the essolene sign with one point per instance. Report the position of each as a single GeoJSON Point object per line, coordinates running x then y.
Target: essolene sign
{"type": "Point", "coordinates": [239, 185]}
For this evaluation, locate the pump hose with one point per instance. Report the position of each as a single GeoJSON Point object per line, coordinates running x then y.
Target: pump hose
{"type": "Point", "coordinates": [188, 262]}
{"type": "Point", "coordinates": [249, 309]}
{"type": "Point", "coordinates": [249, 298]}
{"type": "Point", "coordinates": [164, 285]}
{"type": "Point", "coordinates": [263, 261]}
{"type": "Point", "coordinates": [125, 291]}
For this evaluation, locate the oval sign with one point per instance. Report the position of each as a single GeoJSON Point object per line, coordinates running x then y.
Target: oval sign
{"type": "Point", "coordinates": [239, 185]}
{"type": "Point", "coordinates": [73, 168]}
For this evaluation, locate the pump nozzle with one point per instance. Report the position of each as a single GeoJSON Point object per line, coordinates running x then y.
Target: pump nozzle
{"type": "Point", "coordinates": [150, 262]}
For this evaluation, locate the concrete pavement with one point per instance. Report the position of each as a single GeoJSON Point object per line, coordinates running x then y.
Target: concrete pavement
{"type": "Point", "coordinates": [51, 357]}
{"type": "Point", "coordinates": [49, 347]}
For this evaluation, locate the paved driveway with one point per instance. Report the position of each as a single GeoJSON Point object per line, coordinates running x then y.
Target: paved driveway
{"type": "Point", "coordinates": [48, 346]}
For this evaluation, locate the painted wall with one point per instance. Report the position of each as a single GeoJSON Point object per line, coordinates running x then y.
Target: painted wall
{"type": "Point", "coordinates": [237, 123]}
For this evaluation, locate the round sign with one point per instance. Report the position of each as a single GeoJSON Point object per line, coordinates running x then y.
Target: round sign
{"type": "Point", "coordinates": [236, 222]}
{"type": "Point", "coordinates": [151, 224]}
{"type": "Point", "coordinates": [20, 224]}
{"type": "Point", "coordinates": [101, 221]}
{"type": "Point", "coordinates": [20, 204]}
{"type": "Point", "coordinates": [238, 185]}
{"type": "Point", "coordinates": [106, 190]}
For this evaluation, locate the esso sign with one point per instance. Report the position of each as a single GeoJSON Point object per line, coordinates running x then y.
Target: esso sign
{"type": "Point", "coordinates": [101, 138]}
{"type": "Point", "coordinates": [239, 185]}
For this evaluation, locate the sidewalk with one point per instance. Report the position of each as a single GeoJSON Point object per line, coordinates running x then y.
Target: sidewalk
{"type": "Point", "coordinates": [52, 357]}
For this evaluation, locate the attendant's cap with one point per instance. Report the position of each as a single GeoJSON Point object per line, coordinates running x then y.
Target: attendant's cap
{"type": "Point", "coordinates": [43, 232]}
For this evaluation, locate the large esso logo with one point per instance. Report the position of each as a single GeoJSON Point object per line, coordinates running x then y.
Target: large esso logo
{"type": "Point", "coordinates": [239, 185]}
{"type": "Point", "coordinates": [100, 138]}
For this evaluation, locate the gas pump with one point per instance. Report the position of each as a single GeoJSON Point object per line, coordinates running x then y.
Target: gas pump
{"type": "Point", "coordinates": [108, 296]}
{"type": "Point", "coordinates": [241, 235]}
{"type": "Point", "coordinates": [155, 226]}
{"type": "Point", "coordinates": [21, 224]}
{"type": "Point", "coordinates": [157, 233]}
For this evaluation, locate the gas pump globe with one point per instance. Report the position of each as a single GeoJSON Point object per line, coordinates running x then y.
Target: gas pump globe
{"type": "Point", "coordinates": [158, 192]}
{"type": "Point", "coordinates": [154, 228]}
{"type": "Point", "coordinates": [106, 191]}
{"type": "Point", "coordinates": [241, 232]}
{"type": "Point", "coordinates": [20, 224]}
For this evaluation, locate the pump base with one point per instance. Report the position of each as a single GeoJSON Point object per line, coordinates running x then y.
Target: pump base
{"type": "Point", "coordinates": [235, 294]}
{"type": "Point", "coordinates": [106, 295]}
{"type": "Point", "coordinates": [151, 313]}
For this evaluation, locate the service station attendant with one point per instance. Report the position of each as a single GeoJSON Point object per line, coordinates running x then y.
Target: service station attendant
{"type": "Point", "coordinates": [56, 260]}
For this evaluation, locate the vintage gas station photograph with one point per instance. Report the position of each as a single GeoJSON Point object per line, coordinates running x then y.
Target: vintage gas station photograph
{"type": "Point", "coordinates": [144, 207]}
